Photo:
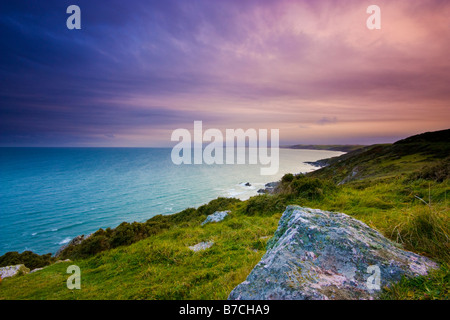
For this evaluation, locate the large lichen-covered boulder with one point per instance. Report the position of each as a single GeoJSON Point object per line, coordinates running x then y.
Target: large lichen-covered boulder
{"type": "Point", "coordinates": [11, 271]}
{"type": "Point", "coordinates": [318, 255]}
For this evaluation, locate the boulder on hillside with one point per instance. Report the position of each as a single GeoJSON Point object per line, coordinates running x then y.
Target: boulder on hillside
{"type": "Point", "coordinates": [216, 217]}
{"type": "Point", "coordinates": [202, 246]}
{"type": "Point", "coordinates": [11, 271]}
{"type": "Point", "coordinates": [319, 255]}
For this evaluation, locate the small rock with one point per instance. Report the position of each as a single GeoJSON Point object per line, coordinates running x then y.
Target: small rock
{"type": "Point", "coordinates": [67, 260]}
{"type": "Point", "coordinates": [248, 184]}
{"type": "Point", "coordinates": [11, 271]}
{"type": "Point", "coordinates": [216, 217]}
{"type": "Point", "coordinates": [269, 188]}
{"type": "Point", "coordinates": [201, 246]}
{"type": "Point", "coordinates": [271, 184]}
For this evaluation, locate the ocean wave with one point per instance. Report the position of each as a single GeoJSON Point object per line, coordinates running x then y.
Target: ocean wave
{"type": "Point", "coordinates": [66, 240]}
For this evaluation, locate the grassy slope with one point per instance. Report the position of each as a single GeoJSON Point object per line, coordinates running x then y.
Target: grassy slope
{"type": "Point", "coordinates": [161, 266]}
{"type": "Point", "coordinates": [384, 193]}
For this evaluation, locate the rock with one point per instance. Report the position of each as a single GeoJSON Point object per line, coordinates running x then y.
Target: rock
{"type": "Point", "coordinates": [271, 184]}
{"type": "Point", "coordinates": [11, 271]}
{"type": "Point", "coordinates": [350, 177]}
{"type": "Point", "coordinates": [319, 163]}
{"type": "Point", "coordinates": [74, 242]}
{"type": "Point", "coordinates": [268, 188]}
{"type": "Point", "coordinates": [216, 217]}
{"type": "Point", "coordinates": [319, 255]}
{"type": "Point", "coordinates": [35, 270]}
{"type": "Point", "coordinates": [201, 246]}
{"type": "Point", "coordinates": [248, 184]}
{"type": "Point", "coordinates": [60, 261]}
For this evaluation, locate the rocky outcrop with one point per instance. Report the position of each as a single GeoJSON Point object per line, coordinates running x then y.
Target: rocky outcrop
{"type": "Point", "coordinates": [350, 177]}
{"type": "Point", "coordinates": [269, 188]}
{"type": "Point", "coordinates": [11, 271]}
{"type": "Point", "coordinates": [216, 217]}
{"type": "Point", "coordinates": [317, 254]}
{"type": "Point", "coordinates": [74, 242]}
{"type": "Point", "coordinates": [36, 270]}
{"type": "Point", "coordinates": [318, 164]}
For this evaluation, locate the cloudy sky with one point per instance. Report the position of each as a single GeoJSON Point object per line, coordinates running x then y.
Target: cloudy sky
{"type": "Point", "coordinates": [137, 70]}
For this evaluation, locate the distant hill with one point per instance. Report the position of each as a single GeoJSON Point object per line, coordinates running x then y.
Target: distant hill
{"type": "Point", "coordinates": [382, 160]}
{"type": "Point", "coordinates": [442, 136]}
{"type": "Point", "coordinates": [330, 147]}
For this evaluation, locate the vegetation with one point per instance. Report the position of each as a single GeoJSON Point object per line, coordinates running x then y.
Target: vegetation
{"type": "Point", "coordinates": [128, 233]}
{"type": "Point", "coordinates": [29, 259]}
{"type": "Point", "coordinates": [434, 286]}
{"type": "Point", "coordinates": [400, 189]}
{"type": "Point", "coordinates": [160, 266]}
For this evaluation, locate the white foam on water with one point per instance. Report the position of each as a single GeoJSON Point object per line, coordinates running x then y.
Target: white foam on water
{"type": "Point", "coordinates": [66, 240]}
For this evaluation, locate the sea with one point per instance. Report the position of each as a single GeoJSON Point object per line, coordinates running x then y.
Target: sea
{"type": "Point", "coordinates": [50, 195]}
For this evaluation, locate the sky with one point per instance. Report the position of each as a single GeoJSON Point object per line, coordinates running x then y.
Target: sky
{"type": "Point", "coordinates": [138, 70]}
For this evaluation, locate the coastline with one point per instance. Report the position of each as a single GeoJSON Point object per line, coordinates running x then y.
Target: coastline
{"type": "Point", "coordinates": [269, 188]}
{"type": "Point", "coordinates": [244, 190]}
{"type": "Point", "coordinates": [253, 227]}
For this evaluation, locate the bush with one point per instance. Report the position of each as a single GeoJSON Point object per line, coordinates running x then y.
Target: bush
{"type": "Point", "coordinates": [219, 204]}
{"type": "Point", "coordinates": [310, 188]}
{"type": "Point", "coordinates": [265, 205]}
{"type": "Point", "coordinates": [288, 177]}
{"type": "Point", "coordinates": [129, 233]}
{"type": "Point", "coordinates": [438, 172]}
{"type": "Point", "coordinates": [124, 234]}
{"type": "Point", "coordinates": [29, 259]}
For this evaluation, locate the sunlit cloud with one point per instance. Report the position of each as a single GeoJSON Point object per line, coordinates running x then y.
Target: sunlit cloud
{"type": "Point", "coordinates": [138, 71]}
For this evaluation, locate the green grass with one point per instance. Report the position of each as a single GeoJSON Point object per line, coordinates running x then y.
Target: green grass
{"type": "Point", "coordinates": [434, 286]}
{"type": "Point", "coordinates": [162, 267]}
{"type": "Point", "coordinates": [159, 267]}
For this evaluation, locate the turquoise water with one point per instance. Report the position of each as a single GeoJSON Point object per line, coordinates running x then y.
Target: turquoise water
{"type": "Point", "coordinates": [50, 195]}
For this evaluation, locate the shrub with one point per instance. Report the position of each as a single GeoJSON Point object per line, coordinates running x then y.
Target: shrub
{"type": "Point", "coordinates": [129, 233]}
{"type": "Point", "coordinates": [29, 259]}
{"type": "Point", "coordinates": [288, 177]}
{"type": "Point", "coordinates": [219, 204]}
{"type": "Point", "coordinates": [437, 172]}
{"type": "Point", "coordinates": [264, 205]}
{"type": "Point", "coordinates": [310, 188]}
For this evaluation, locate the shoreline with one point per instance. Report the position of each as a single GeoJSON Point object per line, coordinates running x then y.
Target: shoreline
{"type": "Point", "coordinates": [242, 191]}
{"type": "Point", "coordinates": [269, 188]}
